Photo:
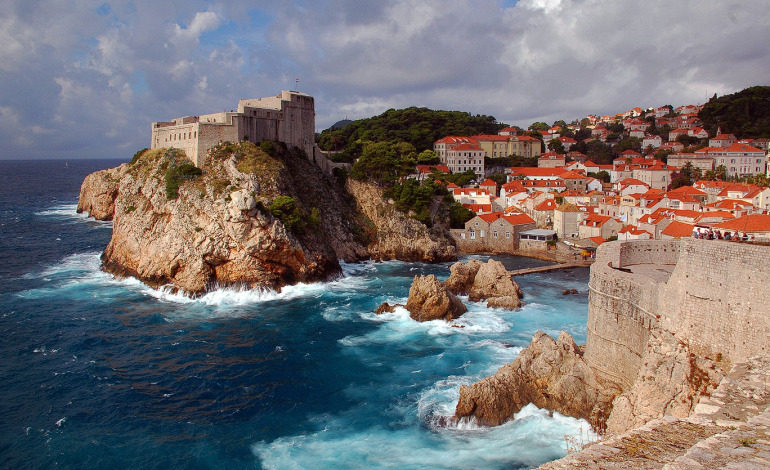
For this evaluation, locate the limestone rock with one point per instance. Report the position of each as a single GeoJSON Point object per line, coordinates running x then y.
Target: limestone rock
{"type": "Point", "coordinates": [429, 299]}
{"type": "Point", "coordinates": [214, 233]}
{"type": "Point", "coordinates": [551, 374]}
{"type": "Point", "coordinates": [399, 236]}
{"type": "Point", "coordinates": [385, 308]}
{"type": "Point", "coordinates": [485, 281]}
{"type": "Point", "coordinates": [462, 275]}
{"type": "Point", "coordinates": [669, 383]}
{"type": "Point", "coordinates": [98, 193]}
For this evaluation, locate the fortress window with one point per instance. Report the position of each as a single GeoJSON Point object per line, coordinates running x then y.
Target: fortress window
{"type": "Point", "coordinates": [196, 134]}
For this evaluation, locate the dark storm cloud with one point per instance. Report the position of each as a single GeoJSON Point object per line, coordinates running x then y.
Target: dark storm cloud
{"type": "Point", "coordinates": [86, 79]}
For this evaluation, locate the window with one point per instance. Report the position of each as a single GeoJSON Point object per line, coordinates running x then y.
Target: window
{"type": "Point", "coordinates": [473, 234]}
{"type": "Point", "coordinates": [482, 234]}
{"type": "Point", "coordinates": [495, 233]}
{"type": "Point", "coordinates": [507, 234]}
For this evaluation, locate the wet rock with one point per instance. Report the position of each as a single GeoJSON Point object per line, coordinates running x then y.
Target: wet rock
{"type": "Point", "coordinates": [485, 281]}
{"type": "Point", "coordinates": [385, 308]}
{"type": "Point", "coordinates": [551, 374]}
{"type": "Point", "coordinates": [430, 299]}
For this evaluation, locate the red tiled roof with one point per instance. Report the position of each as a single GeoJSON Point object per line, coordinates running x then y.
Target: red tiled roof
{"type": "Point", "coordinates": [491, 217]}
{"type": "Point", "coordinates": [748, 223]}
{"type": "Point", "coordinates": [531, 171]}
{"type": "Point", "coordinates": [456, 140]}
{"type": "Point", "coordinates": [468, 147]}
{"type": "Point", "coordinates": [519, 219]}
{"type": "Point", "coordinates": [547, 205]}
{"type": "Point", "coordinates": [678, 229]}
{"type": "Point", "coordinates": [479, 208]}
{"type": "Point", "coordinates": [430, 168]}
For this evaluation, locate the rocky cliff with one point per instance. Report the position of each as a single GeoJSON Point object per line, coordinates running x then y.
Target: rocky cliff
{"type": "Point", "coordinates": [192, 230]}
{"type": "Point", "coordinates": [666, 322]}
{"type": "Point", "coordinates": [254, 216]}
{"type": "Point", "coordinates": [394, 234]}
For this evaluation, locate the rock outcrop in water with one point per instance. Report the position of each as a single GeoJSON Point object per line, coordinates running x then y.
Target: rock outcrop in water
{"type": "Point", "coordinates": [485, 281]}
{"type": "Point", "coordinates": [216, 227]}
{"type": "Point", "coordinates": [429, 299]}
{"type": "Point", "coordinates": [551, 374]}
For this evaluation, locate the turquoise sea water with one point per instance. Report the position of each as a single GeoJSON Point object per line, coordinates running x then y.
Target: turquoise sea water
{"type": "Point", "coordinates": [99, 372]}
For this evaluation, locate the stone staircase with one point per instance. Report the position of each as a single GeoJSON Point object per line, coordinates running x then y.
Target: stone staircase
{"type": "Point", "coordinates": [730, 429]}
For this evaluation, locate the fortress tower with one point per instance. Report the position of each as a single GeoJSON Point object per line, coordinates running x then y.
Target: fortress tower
{"type": "Point", "coordinates": [288, 117]}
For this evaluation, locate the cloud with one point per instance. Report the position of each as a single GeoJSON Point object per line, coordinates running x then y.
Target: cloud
{"type": "Point", "coordinates": [87, 79]}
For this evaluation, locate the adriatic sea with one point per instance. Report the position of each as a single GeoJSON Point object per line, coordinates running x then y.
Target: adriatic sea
{"type": "Point", "coordinates": [105, 373]}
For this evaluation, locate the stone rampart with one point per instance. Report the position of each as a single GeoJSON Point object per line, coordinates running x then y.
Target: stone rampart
{"type": "Point", "coordinates": [713, 301]}
{"type": "Point", "coordinates": [621, 312]}
{"type": "Point", "coordinates": [716, 299]}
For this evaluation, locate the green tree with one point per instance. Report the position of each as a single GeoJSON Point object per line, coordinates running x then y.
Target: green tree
{"type": "Point", "coordinates": [721, 173]}
{"type": "Point", "coordinates": [555, 145]}
{"type": "Point", "coordinates": [745, 113]}
{"type": "Point", "coordinates": [383, 163]}
{"type": "Point", "coordinates": [284, 208]}
{"type": "Point", "coordinates": [629, 143]}
{"type": "Point", "coordinates": [602, 176]}
{"type": "Point", "coordinates": [428, 157]}
{"type": "Point", "coordinates": [459, 214]}
{"type": "Point", "coordinates": [539, 126]}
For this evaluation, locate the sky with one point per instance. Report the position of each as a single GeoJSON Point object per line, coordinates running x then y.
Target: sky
{"type": "Point", "coordinates": [85, 79]}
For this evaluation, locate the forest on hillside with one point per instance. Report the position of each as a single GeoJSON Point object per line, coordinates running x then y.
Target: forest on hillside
{"type": "Point", "coordinates": [417, 126]}
{"type": "Point", "coordinates": [745, 113]}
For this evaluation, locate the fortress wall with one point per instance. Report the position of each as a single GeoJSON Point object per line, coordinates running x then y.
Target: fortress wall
{"type": "Point", "coordinates": [183, 136]}
{"type": "Point", "coordinates": [621, 313]}
{"type": "Point", "coordinates": [647, 252]}
{"type": "Point", "coordinates": [716, 299]}
{"type": "Point", "coordinates": [288, 117]}
{"type": "Point", "coordinates": [210, 135]}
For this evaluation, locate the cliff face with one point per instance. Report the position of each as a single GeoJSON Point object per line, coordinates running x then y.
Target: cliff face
{"type": "Point", "coordinates": [395, 235]}
{"type": "Point", "coordinates": [250, 216]}
{"type": "Point", "coordinates": [218, 231]}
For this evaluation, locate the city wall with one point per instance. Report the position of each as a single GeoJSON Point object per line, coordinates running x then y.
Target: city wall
{"type": "Point", "coordinates": [713, 302]}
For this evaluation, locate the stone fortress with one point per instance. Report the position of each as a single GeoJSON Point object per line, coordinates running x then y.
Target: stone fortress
{"type": "Point", "coordinates": [666, 318]}
{"type": "Point", "coordinates": [288, 117]}
{"type": "Point", "coordinates": [710, 295]}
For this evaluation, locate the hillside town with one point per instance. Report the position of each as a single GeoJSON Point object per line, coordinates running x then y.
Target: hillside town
{"type": "Point", "coordinates": [682, 182]}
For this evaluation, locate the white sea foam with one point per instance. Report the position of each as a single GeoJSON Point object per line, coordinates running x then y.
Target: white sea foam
{"type": "Point", "coordinates": [69, 212]}
{"type": "Point", "coordinates": [531, 439]}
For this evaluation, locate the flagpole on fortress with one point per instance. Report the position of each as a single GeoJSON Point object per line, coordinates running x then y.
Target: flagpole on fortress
{"type": "Point", "coordinates": [296, 85]}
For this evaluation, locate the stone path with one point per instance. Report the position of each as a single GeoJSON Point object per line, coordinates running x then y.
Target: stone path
{"type": "Point", "coordinates": [552, 267]}
{"type": "Point", "coordinates": [730, 429]}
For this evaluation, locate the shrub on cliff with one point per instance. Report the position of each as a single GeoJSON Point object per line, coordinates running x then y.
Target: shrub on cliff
{"type": "Point", "coordinates": [411, 196]}
{"type": "Point", "coordinates": [459, 214]}
{"type": "Point", "coordinates": [138, 155]}
{"type": "Point", "coordinates": [285, 209]}
{"type": "Point", "coordinates": [176, 175]}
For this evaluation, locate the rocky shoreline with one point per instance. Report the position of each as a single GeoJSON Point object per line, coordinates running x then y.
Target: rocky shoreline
{"type": "Point", "coordinates": [248, 218]}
